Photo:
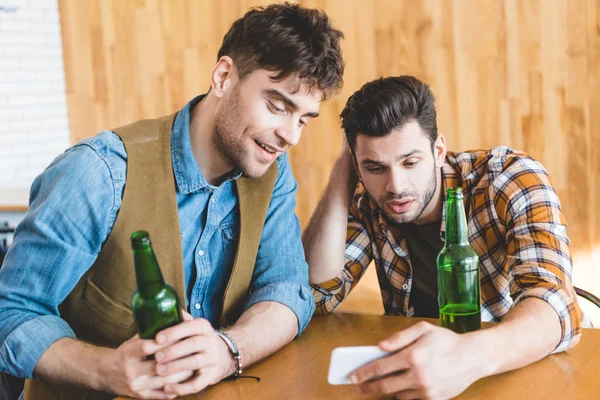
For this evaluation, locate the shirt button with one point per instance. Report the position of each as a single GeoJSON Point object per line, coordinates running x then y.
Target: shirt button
{"type": "Point", "coordinates": [212, 200]}
{"type": "Point", "coordinates": [197, 306]}
{"type": "Point", "coordinates": [405, 286]}
{"type": "Point", "coordinates": [200, 253]}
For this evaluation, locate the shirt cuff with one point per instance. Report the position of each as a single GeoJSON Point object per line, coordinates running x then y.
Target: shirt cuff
{"type": "Point", "coordinates": [296, 297]}
{"type": "Point", "coordinates": [566, 309]}
{"type": "Point", "coordinates": [25, 345]}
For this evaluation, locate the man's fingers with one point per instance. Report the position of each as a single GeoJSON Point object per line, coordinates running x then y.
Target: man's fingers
{"type": "Point", "coordinates": [401, 339]}
{"type": "Point", "coordinates": [192, 386]}
{"type": "Point", "coordinates": [379, 368]}
{"type": "Point", "coordinates": [150, 382]}
{"type": "Point", "coordinates": [186, 315]}
{"type": "Point", "coordinates": [141, 347]}
{"type": "Point", "coordinates": [146, 368]}
{"type": "Point", "coordinates": [389, 385]}
{"type": "Point", "coordinates": [178, 377]}
{"type": "Point", "coordinates": [192, 345]}
{"type": "Point", "coordinates": [407, 354]}
{"type": "Point", "coordinates": [191, 363]}
{"type": "Point", "coordinates": [183, 330]}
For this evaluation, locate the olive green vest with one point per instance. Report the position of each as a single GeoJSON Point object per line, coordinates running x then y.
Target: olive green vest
{"type": "Point", "coordinates": [99, 307]}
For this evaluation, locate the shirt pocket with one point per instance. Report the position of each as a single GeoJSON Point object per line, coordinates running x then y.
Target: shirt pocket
{"type": "Point", "coordinates": [108, 321]}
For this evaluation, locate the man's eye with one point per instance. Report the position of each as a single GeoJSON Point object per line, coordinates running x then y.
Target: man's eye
{"type": "Point", "coordinates": [275, 108]}
{"type": "Point", "coordinates": [411, 163]}
{"type": "Point", "coordinates": [375, 170]}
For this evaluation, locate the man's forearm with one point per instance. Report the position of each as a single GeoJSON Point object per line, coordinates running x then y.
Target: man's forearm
{"type": "Point", "coordinates": [324, 238]}
{"type": "Point", "coordinates": [263, 329]}
{"type": "Point", "coordinates": [71, 361]}
{"type": "Point", "coordinates": [527, 333]}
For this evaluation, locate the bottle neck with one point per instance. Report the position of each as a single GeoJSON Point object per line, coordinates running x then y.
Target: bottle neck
{"type": "Point", "coordinates": [147, 271]}
{"type": "Point", "coordinates": [456, 222]}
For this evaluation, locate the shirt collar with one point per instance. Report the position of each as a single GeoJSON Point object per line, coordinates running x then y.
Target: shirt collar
{"type": "Point", "coordinates": [188, 175]}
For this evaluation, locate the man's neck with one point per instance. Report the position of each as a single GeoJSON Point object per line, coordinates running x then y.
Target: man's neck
{"type": "Point", "coordinates": [202, 132]}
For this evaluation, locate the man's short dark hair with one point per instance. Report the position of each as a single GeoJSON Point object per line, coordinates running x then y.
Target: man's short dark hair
{"type": "Point", "coordinates": [290, 40]}
{"type": "Point", "coordinates": [385, 104]}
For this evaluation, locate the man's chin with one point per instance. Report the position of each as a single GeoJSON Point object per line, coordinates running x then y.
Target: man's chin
{"type": "Point", "coordinates": [402, 218]}
{"type": "Point", "coordinates": [255, 171]}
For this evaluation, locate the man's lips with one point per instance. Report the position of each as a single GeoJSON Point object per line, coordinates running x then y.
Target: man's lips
{"type": "Point", "coordinates": [399, 206]}
{"type": "Point", "coordinates": [268, 148]}
{"type": "Point", "coordinates": [269, 154]}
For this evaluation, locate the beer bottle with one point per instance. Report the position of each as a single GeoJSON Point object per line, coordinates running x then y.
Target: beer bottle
{"type": "Point", "coordinates": [458, 271]}
{"type": "Point", "coordinates": [155, 305]}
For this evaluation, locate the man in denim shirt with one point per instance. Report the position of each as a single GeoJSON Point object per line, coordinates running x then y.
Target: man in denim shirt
{"type": "Point", "coordinates": [275, 67]}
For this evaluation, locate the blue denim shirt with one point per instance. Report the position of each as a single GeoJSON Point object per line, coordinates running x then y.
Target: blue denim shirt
{"type": "Point", "coordinates": [73, 206]}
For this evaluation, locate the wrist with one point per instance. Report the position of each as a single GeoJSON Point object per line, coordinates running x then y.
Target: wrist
{"type": "Point", "coordinates": [343, 176]}
{"type": "Point", "coordinates": [235, 360]}
{"type": "Point", "coordinates": [478, 345]}
{"type": "Point", "coordinates": [100, 368]}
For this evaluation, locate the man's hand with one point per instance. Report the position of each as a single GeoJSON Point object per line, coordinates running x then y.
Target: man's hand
{"type": "Point", "coordinates": [130, 373]}
{"type": "Point", "coordinates": [429, 363]}
{"type": "Point", "coordinates": [193, 346]}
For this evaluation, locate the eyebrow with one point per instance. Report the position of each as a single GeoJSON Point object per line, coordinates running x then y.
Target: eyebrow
{"type": "Point", "coordinates": [401, 157]}
{"type": "Point", "coordinates": [282, 97]}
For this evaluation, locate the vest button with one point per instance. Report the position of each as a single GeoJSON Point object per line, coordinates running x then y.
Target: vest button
{"type": "Point", "coordinates": [405, 286]}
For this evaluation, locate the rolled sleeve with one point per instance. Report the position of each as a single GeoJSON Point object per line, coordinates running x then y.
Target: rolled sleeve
{"type": "Point", "coordinates": [566, 309]}
{"type": "Point", "coordinates": [25, 345]}
{"type": "Point", "coordinates": [295, 296]}
{"type": "Point", "coordinates": [539, 262]}
{"type": "Point", "coordinates": [281, 272]}
{"type": "Point", "coordinates": [53, 247]}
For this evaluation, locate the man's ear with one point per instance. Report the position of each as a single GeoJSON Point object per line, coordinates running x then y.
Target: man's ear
{"type": "Point", "coordinates": [439, 150]}
{"type": "Point", "coordinates": [222, 75]}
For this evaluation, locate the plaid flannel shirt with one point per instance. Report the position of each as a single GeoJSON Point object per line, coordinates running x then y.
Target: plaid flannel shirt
{"type": "Point", "coordinates": [515, 225]}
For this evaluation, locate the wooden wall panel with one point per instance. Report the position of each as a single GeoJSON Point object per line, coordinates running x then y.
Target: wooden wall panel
{"type": "Point", "coordinates": [524, 73]}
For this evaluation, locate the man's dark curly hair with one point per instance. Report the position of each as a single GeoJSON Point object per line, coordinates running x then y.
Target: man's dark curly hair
{"type": "Point", "coordinates": [288, 39]}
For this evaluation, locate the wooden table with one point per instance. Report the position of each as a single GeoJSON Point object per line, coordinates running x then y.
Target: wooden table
{"type": "Point", "coordinates": [299, 370]}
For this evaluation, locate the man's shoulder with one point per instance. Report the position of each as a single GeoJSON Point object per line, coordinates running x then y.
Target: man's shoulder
{"type": "Point", "coordinates": [104, 148]}
{"type": "Point", "coordinates": [492, 158]}
{"type": "Point", "coordinates": [486, 166]}
{"type": "Point", "coordinates": [106, 142]}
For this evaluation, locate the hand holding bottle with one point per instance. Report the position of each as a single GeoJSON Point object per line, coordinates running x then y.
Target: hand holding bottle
{"type": "Point", "coordinates": [129, 372]}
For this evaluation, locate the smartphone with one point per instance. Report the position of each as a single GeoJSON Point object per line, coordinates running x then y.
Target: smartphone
{"type": "Point", "coordinates": [345, 360]}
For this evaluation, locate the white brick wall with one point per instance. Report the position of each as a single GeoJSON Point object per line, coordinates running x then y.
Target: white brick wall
{"type": "Point", "coordinates": [34, 126]}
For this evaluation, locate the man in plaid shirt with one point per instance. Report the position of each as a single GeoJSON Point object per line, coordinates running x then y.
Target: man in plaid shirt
{"type": "Point", "coordinates": [394, 216]}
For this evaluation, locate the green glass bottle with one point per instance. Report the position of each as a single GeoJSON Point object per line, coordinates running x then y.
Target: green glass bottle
{"type": "Point", "coordinates": [458, 271]}
{"type": "Point", "coordinates": [155, 305]}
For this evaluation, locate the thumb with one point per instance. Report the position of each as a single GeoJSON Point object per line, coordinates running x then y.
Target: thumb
{"type": "Point", "coordinates": [405, 337]}
{"type": "Point", "coordinates": [186, 315]}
